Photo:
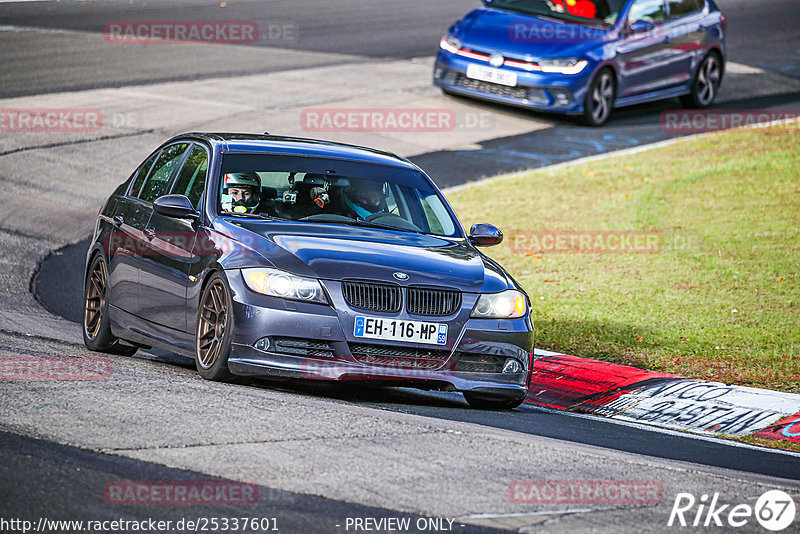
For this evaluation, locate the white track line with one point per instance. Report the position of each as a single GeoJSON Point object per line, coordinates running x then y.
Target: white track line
{"type": "Point", "coordinates": [613, 154]}
{"type": "Point", "coordinates": [526, 514]}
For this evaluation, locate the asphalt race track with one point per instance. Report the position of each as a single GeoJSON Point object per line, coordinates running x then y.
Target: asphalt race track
{"type": "Point", "coordinates": [317, 453]}
{"type": "Point", "coordinates": [762, 35]}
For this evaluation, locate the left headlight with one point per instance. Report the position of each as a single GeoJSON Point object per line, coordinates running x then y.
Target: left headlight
{"type": "Point", "coordinates": [510, 304]}
{"type": "Point", "coordinates": [567, 65]}
{"type": "Point", "coordinates": [277, 283]}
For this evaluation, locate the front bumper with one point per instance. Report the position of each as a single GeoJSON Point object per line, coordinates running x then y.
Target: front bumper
{"type": "Point", "coordinates": [558, 93]}
{"type": "Point", "coordinates": [309, 341]}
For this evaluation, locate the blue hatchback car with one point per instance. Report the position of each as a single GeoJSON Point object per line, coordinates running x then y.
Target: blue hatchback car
{"type": "Point", "coordinates": [585, 57]}
{"type": "Point", "coordinates": [285, 257]}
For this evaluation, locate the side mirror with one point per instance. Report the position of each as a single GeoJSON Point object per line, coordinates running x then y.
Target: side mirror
{"type": "Point", "coordinates": [175, 206]}
{"type": "Point", "coordinates": [485, 235]}
{"type": "Point", "coordinates": [642, 26]}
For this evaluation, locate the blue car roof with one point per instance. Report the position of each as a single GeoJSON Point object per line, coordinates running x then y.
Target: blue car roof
{"type": "Point", "coordinates": [255, 143]}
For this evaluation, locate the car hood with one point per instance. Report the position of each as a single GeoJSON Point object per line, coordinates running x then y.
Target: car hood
{"type": "Point", "coordinates": [518, 35]}
{"type": "Point", "coordinates": [337, 252]}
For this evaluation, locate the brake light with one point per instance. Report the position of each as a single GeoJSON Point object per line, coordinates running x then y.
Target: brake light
{"type": "Point", "coordinates": [724, 21]}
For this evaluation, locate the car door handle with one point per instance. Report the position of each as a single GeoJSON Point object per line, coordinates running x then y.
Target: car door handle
{"type": "Point", "coordinates": [149, 233]}
{"type": "Point", "coordinates": [118, 220]}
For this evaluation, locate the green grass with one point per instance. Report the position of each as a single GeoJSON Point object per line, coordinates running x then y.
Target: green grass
{"type": "Point", "coordinates": [721, 301]}
{"type": "Point", "coordinates": [769, 443]}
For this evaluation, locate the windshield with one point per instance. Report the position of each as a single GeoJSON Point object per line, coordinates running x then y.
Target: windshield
{"type": "Point", "coordinates": [582, 11]}
{"type": "Point", "coordinates": [330, 191]}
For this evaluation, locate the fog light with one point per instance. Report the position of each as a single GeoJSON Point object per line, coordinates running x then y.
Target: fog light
{"type": "Point", "coordinates": [512, 366]}
{"type": "Point", "coordinates": [561, 97]}
{"type": "Point", "coordinates": [262, 344]}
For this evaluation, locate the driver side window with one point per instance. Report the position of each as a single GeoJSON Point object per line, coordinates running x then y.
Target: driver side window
{"type": "Point", "coordinates": [192, 177]}
{"type": "Point", "coordinates": [649, 10]}
{"type": "Point", "coordinates": [679, 8]}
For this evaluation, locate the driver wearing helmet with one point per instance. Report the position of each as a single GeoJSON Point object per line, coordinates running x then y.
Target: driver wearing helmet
{"type": "Point", "coordinates": [241, 192]}
{"type": "Point", "coordinates": [577, 8]}
{"type": "Point", "coordinates": [365, 197]}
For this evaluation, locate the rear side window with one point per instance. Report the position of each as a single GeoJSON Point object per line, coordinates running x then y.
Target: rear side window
{"type": "Point", "coordinates": [158, 180]}
{"type": "Point", "coordinates": [192, 177]}
{"type": "Point", "coordinates": [678, 8]}
{"type": "Point", "coordinates": [142, 175]}
{"type": "Point", "coordinates": [650, 10]}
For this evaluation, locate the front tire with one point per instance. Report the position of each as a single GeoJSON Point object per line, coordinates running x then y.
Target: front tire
{"type": "Point", "coordinates": [213, 332]}
{"type": "Point", "coordinates": [97, 334]}
{"type": "Point", "coordinates": [705, 85]}
{"type": "Point", "coordinates": [599, 100]}
{"type": "Point", "coordinates": [490, 402]}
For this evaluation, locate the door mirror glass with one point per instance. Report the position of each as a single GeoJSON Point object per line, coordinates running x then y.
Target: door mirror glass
{"type": "Point", "coordinates": [175, 206]}
{"type": "Point", "coordinates": [485, 235]}
{"type": "Point", "coordinates": [642, 26]}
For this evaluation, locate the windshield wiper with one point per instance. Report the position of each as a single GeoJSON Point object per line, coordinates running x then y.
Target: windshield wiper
{"type": "Point", "coordinates": [364, 224]}
{"type": "Point", "coordinates": [263, 216]}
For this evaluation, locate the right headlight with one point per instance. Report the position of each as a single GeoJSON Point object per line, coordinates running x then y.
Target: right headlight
{"type": "Point", "coordinates": [450, 43]}
{"type": "Point", "coordinates": [281, 284]}
{"type": "Point", "coordinates": [510, 304]}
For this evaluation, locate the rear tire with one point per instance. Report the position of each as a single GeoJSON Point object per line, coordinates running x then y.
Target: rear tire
{"type": "Point", "coordinates": [599, 100]}
{"type": "Point", "coordinates": [213, 331]}
{"type": "Point", "coordinates": [97, 334]}
{"type": "Point", "coordinates": [490, 402]}
{"type": "Point", "coordinates": [705, 85]}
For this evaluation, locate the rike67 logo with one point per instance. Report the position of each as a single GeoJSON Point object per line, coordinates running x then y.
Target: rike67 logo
{"type": "Point", "coordinates": [774, 511]}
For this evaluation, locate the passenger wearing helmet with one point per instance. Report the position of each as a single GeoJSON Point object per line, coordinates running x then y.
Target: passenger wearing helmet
{"type": "Point", "coordinates": [365, 197]}
{"type": "Point", "coordinates": [241, 192]}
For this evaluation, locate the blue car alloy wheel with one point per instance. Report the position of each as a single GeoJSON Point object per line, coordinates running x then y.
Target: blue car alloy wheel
{"type": "Point", "coordinates": [259, 255]}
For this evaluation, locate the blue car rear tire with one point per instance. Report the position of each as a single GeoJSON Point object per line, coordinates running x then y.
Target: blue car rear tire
{"type": "Point", "coordinates": [705, 84]}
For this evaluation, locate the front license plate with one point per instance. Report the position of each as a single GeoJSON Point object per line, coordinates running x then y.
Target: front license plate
{"type": "Point", "coordinates": [486, 74]}
{"type": "Point", "coordinates": [397, 330]}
